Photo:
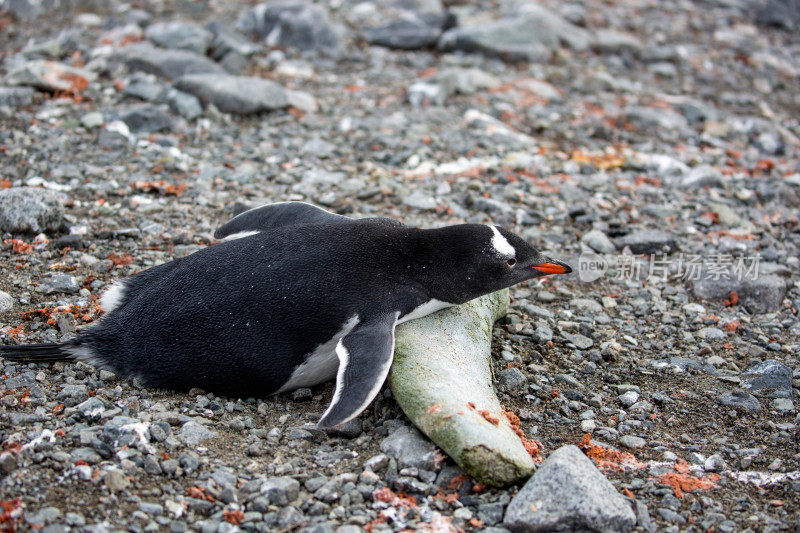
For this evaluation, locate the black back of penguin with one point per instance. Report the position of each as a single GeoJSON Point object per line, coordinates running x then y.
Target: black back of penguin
{"type": "Point", "coordinates": [247, 311]}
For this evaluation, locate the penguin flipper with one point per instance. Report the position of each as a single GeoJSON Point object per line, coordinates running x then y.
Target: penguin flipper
{"type": "Point", "coordinates": [275, 216]}
{"type": "Point", "coordinates": [365, 357]}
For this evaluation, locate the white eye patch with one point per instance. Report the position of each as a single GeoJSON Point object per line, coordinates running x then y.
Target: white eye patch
{"type": "Point", "coordinates": [501, 245]}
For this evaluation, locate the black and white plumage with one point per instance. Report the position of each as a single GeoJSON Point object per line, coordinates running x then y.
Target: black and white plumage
{"type": "Point", "coordinates": [300, 297]}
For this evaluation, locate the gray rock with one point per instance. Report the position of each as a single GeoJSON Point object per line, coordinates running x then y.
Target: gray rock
{"type": "Point", "coordinates": [170, 64]}
{"type": "Point", "coordinates": [648, 118]}
{"type": "Point", "coordinates": [633, 442]}
{"type": "Point", "coordinates": [349, 430]}
{"type": "Point", "coordinates": [421, 201]}
{"type": "Point", "coordinates": [193, 433]}
{"type": "Point", "coordinates": [771, 378]}
{"type": "Point", "coordinates": [410, 32]}
{"type": "Point", "coordinates": [6, 302]}
{"type": "Point", "coordinates": [235, 94]}
{"type": "Point", "coordinates": [43, 516]}
{"type": "Point", "coordinates": [151, 508]}
{"type": "Point", "coordinates": [93, 408]}
{"type": "Point", "coordinates": [581, 342]}
{"type": "Point", "coordinates": [740, 400]}
{"type": "Point", "coordinates": [50, 76]}
{"type": "Point", "coordinates": [757, 292]}
{"type": "Point", "coordinates": [629, 398]}
{"type": "Point", "coordinates": [568, 493]}
{"type": "Point", "coordinates": [511, 378]}
{"type": "Point", "coordinates": [599, 242]}
{"type": "Point", "coordinates": [22, 9]}
{"type": "Point", "coordinates": [8, 462]}
{"type": "Point", "coordinates": [226, 40]}
{"type": "Point", "coordinates": [586, 305]}
{"type": "Point", "coordinates": [614, 42]}
{"type": "Point", "coordinates": [91, 120]}
{"type": "Point", "coordinates": [179, 35]}
{"type": "Point", "coordinates": [292, 23]}
{"type": "Point", "coordinates": [146, 118]}
{"type": "Point", "coordinates": [116, 480]}
{"type": "Point", "coordinates": [528, 36]}
{"type": "Point", "coordinates": [302, 395]}
{"type": "Point", "coordinates": [711, 334]}
{"type": "Point", "coordinates": [783, 405]}
{"type": "Point", "coordinates": [88, 455]}
{"type": "Point", "coordinates": [185, 104]}
{"type": "Point", "coordinates": [648, 242]}
{"type": "Point", "coordinates": [143, 86]}
{"type": "Point", "coordinates": [124, 431]}
{"type": "Point", "coordinates": [16, 96]}
{"type": "Point", "coordinates": [423, 92]}
{"type": "Point", "coordinates": [290, 517]}
{"type": "Point", "coordinates": [542, 334]}
{"type": "Point", "coordinates": [410, 448]}
{"type": "Point", "coordinates": [30, 210]}
{"type": "Point", "coordinates": [702, 176]}
{"type": "Point", "coordinates": [512, 39]}
{"type": "Point", "coordinates": [60, 283]}
{"type": "Point", "coordinates": [780, 13]}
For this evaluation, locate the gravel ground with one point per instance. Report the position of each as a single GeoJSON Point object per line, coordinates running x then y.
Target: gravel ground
{"type": "Point", "coordinates": [653, 143]}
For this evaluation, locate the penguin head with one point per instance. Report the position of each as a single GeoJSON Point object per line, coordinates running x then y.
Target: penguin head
{"type": "Point", "coordinates": [486, 258]}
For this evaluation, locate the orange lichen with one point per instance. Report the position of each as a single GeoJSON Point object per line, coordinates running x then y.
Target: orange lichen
{"type": "Point", "coordinates": [489, 418]}
{"type": "Point", "coordinates": [449, 498]}
{"type": "Point", "coordinates": [160, 187]}
{"type": "Point", "coordinates": [120, 260]}
{"type": "Point", "coordinates": [234, 516]}
{"type": "Point", "coordinates": [457, 482]}
{"type": "Point", "coordinates": [606, 458]}
{"type": "Point", "coordinates": [733, 300]}
{"type": "Point", "coordinates": [83, 313]}
{"type": "Point", "coordinates": [682, 483]}
{"type": "Point", "coordinates": [18, 246]}
{"type": "Point", "coordinates": [10, 510]}
{"type": "Point", "coordinates": [401, 499]}
{"type": "Point", "coordinates": [199, 493]}
{"type": "Point", "coordinates": [603, 161]}
{"type": "Point", "coordinates": [533, 447]}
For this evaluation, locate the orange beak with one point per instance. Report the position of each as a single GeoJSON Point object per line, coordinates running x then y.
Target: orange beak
{"type": "Point", "coordinates": [553, 268]}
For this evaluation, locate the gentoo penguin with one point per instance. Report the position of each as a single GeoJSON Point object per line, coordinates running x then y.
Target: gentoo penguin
{"type": "Point", "coordinates": [293, 297]}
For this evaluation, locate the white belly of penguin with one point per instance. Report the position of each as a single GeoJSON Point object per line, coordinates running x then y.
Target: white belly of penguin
{"type": "Point", "coordinates": [321, 365]}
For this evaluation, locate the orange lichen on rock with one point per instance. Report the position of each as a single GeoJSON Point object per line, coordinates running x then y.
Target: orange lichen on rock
{"type": "Point", "coordinates": [434, 408]}
{"type": "Point", "coordinates": [160, 187]}
{"type": "Point", "coordinates": [199, 493]}
{"type": "Point", "coordinates": [449, 498]}
{"type": "Point", "coordinates": [489, 418]}
{"type": "Point", "coordinates": [234, 517]}
{"type": "Point", "coordinates": [18, 246]}
{"type": "Point", "coordinates": [457, 482]}
{"type": "Point", "coordinates": [682, 483]}
{"type": "Point", "coordinates": [603, 161]}
{"type": "Point", "coordinates": [606, 458]}
{"type": "Point", "coordinates": [401, 499]}
{"type": "Point", "coordinates": [120, 260]}
{"type": "Point", "coordinates": [533, 447]}
{"type": "Point", "coordinates": [85, 313]}
{"type": "Point", "coordinates": [10, 510]}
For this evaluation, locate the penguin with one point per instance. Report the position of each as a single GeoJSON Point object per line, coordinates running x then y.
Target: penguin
{"type": "Point", "coordinates": [292, 297]}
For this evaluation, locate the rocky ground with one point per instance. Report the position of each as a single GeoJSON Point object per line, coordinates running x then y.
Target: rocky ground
{"type": "Point", "coordinates": [654, 144]}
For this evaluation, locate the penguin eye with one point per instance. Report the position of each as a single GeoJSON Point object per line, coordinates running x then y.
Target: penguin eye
{"type": "Point", "coordinates": [511, 262]}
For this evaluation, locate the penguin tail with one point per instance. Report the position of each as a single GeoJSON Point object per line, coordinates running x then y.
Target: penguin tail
{"type": "Point", "coordinates": [39, 353]}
